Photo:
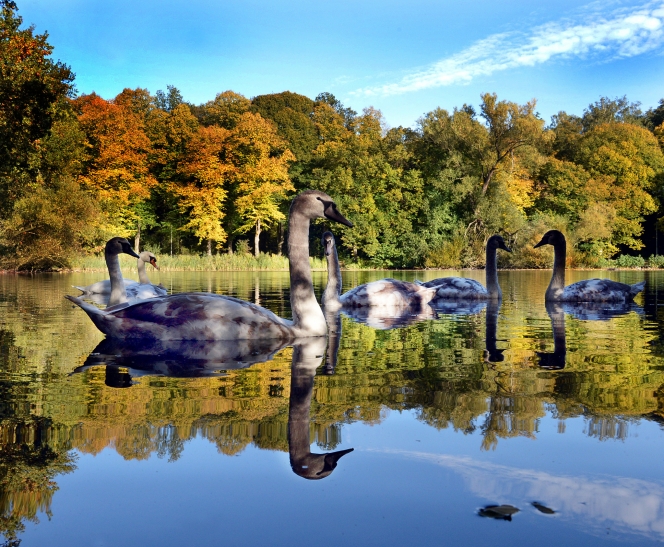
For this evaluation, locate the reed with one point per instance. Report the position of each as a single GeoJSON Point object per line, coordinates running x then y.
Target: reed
{"type": "Point", "coordinates": [214, 263]}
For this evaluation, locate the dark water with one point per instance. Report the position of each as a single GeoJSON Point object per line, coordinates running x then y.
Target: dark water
{"type": "Point", "coordinates": [551, 418]}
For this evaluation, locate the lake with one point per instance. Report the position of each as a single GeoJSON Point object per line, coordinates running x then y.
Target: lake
{"type": "Point", "coordinates": [479, 426]}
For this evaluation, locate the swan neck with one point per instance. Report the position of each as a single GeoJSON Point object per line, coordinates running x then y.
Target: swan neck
{"type": "Point", "coordinates": [118, 292]}
{"type": "Point", "coordinates": [333, 287]}
{"type": "Point", "coordinates": [492, 286]}
{"type": "Point", "coordinates": [302, 384]}
{"type": "Point", "coordinates": [142, 274]}
{"type": "Point", "coordinates": [558, 277]}
{"type": "Point", "coordinates": [308, 318]}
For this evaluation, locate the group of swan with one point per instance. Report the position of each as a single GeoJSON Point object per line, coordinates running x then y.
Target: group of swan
{"type": "Point", "coordinates": [207, 316]}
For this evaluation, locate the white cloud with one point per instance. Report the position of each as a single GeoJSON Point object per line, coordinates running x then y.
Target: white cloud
{"type": "Point", "coordinates": [625, 33]}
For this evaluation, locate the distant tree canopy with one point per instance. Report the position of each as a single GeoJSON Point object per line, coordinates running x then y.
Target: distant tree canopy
{"type": "Point", "coordinates": [76, 169]}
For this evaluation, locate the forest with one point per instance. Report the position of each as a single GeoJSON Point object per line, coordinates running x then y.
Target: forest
{"type": "Point", "coordinates": [217, 178]}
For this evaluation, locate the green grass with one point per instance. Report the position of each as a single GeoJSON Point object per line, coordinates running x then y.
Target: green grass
{"type": "Point", "coordinates": [214, 263]}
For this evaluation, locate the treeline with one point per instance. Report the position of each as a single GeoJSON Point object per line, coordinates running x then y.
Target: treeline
{"type": "Point", "coordinates": [218, 177]}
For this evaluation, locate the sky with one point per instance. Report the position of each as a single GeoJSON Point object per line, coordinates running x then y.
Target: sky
{"type": "Point", "coordinates": [403, 57]}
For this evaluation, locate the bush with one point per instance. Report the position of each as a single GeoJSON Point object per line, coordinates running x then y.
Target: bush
{"type": "Point", "coordinates": [656, 261]}
{"type": "Point", "coordinates": [627, 261]}
{"type": "Point", "coordinates": [448, 255]}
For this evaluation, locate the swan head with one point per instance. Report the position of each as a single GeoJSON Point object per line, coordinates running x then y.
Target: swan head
{"type": "Point", "coordinates": [318, 466]}
{"type": "Point", "coordinates": [314, 204]}
{"type": "Point", "coordinates": [552, 237]}
{"type": "Point", "coordinates": [497, 242]}
{"type": "Point", "coordinates": [328, 243]}
{"type": "Point", "coordinates": [147, 256]}
{"type": "Point", "coordinates": [118, 245]}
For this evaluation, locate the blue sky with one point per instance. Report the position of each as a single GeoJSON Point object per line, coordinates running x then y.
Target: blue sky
{"type": "Point", "coordinates": [403, 57]}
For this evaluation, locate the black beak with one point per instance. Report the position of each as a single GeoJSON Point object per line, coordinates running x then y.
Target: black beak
{"type": "Point", "coordinates": [332, 458]}
{"type": "Point", "coordinates": [506, 248]}
{"type": "Point", "coordinates": [130, 252]}
{"type": "Point", "coordinates": [332, 214]}
{"type": "Point", "coordinates": [543, 242]}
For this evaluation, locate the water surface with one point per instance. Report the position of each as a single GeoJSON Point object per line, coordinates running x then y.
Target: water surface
{"type": "Point", "coordinates": [547, 421]}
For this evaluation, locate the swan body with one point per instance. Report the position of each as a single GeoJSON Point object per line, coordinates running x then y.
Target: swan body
{"type": "Point", "coordinates": [590, 290]}
{"type": "Point", "coordinates": [390, 293]}
{"type": "Point", "coordinates": [206, 316]}
{"type": "Point", "coordinates": [134, 290]}
{"type": "Point", "coordinates": [461, 288]}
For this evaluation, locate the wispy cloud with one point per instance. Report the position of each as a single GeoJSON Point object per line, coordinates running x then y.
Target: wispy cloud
{"type": "Point", "coordinates": [621, 34]}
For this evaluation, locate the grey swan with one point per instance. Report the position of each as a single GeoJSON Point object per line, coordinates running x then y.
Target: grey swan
{"type": "Point", "coordinates": [206, 316]}
{"type": "Point", "coordinates": [134, 290]}
{"type": "Point", "coordinates": [590, 290]}
{"type": "Point", "coordinates": [391, 293]}
{"type": "Point", "coordinates": [114, 288]}
{"type": "Point", "coordinates": [462, 288]}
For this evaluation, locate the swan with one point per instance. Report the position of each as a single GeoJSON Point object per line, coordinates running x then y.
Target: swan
{"type": "Point", "coordinates": [590, 290]}
{"type": "Point", "coordinates": [385, 292]}
{"type": "Point", "coordinates": [461, 288]}
{"type": "Point", "coordinates": [112, 289]}
{"type": "Point", "coordinates": [206, 316]}
{"type": "Point", "coordinates": [103, 288]}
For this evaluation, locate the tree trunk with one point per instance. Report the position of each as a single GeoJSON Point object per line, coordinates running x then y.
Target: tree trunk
{"type": "Point", "coordinates": [256, 238]}
{"type": "Point", "coordinates": [230, 244]}
{"type": "Point", "coordinates": [137, 239]}
{"type": "Point", "coordinates": [280, 245]}
{"type": "Point", "coordinates": [209, 247]}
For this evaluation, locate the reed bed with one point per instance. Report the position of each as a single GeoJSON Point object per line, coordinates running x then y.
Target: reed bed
{"type": "Point", "coordinates": [186, 263]}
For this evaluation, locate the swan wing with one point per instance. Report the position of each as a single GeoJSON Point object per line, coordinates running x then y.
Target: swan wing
{"type": "Point", "coordinates": [385, 292]}
{"type": "Point", "coordinates": [600, 290]}
{"type": "Point", "coordinates": [460, 288]}
{"type": "Point", "coordinates": [188, 316]}
{"type": "Point", "coordinates": [141, 291]}
{"type": "Point", "coordinates": [103, 287]}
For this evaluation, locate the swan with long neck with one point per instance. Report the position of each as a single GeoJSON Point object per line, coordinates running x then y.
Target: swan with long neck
{"type": "Point", "coordinates": [462, 288]}
{"type": "Point", "coordinates": [144, 289]}
{"type": "Point", "coordinates": [115, 247]}
{"type": "Point", "coordinates": [206, 316]}
{"type": "Point", "coordinates": [103, 288]}
{"type": "Point", "coordinates": [590, 290]}
{"type": "Point", "coordinates": [390, 293]}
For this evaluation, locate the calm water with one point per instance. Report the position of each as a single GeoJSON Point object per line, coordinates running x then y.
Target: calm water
{"type": "Point", "coordinates": [552, 415]}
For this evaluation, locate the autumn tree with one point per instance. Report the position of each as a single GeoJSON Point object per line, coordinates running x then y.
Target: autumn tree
{"type": "Point", "coordinates": [117, 169]}
{"type": "Point", "coordinates": [201, 185]}
{"type": "Point", "coordinates": [225, 110]}
{"type": "Point", "coordinates": [259, 161]}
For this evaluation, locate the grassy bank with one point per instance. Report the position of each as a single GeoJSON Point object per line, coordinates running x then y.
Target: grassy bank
{"type": "Point", "coordinates": [214, 263]}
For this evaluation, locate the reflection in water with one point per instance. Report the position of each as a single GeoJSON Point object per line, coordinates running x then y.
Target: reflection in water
{"type": "Point", "coordinates": [498, 512]}
{"type": "Point", "coordinates": [449, 373]}
{"type": "Point", "coordinates": [555, 360]}
{"type": "Point", "coordinates": [29, 462]}
{"type": "Point", "coordinates": [306, 358]}
{"type": "Point", "coordinates": [390, 317]}
{"type": "Point", "coordinates": [493, 354]}
{"type": "Point", "coordinates": [631, 504]}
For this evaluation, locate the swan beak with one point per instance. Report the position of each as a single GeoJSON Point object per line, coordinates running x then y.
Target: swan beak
{"type": "Point", "coordinates": [331, 460]}
{"type": "Point", "coordinates": [506, 248]}
{"type": "Point", "coordinates": [153, 261]}
{"type": "Point", "coordinates": [332, 214]}
{"type": "Point", "coordinates": [131, 252]}
{"type": "Point", "coordinates": [543, 242]}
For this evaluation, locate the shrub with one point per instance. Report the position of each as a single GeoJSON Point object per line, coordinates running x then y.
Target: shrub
{"type": "Point", "coordinates": [656, 261]}
{"type": "Point", "coordinates": [627, 261]}
{"type": "Point", "coordinates": [448, 255]}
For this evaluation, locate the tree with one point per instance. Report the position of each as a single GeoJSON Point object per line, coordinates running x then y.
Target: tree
{"type": "Point", "coordinates": [201, 189]}
{"type": "Point", "coordinates": [510, 126]}
{"type": "Point", "coordinates": [618, 110]}
{"type": "Point", "coordinates": [225, 111]}
{"type": "Point", "coordinates": [260, 161]}
{"type": "Point", "coordinates": [33, 89]}
{"type": "Point", "coordinates": [117, 169]}
{"type": "Point", "coordinates": [170, 100]}
{"type": "Point", "coordinates": [625, 161]}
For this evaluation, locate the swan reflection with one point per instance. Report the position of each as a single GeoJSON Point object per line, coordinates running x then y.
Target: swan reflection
{"type": "Point", "coordinates": [492, 354]}
{"type": "Point", "coordinates": [391, 317]}
{"type": "Point", "coordinates": [124, 361]}
{"type": "Point", "coordinates": [584, 311]}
